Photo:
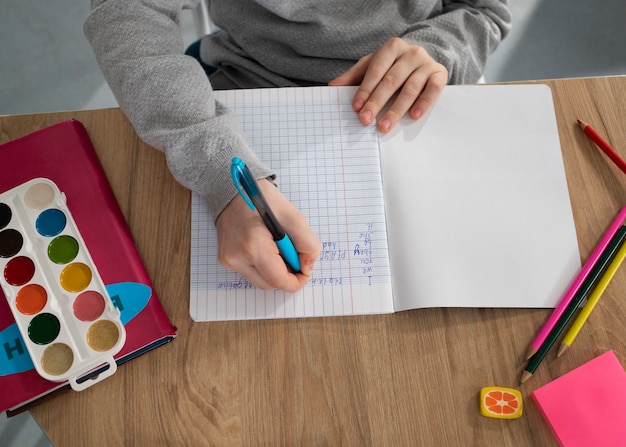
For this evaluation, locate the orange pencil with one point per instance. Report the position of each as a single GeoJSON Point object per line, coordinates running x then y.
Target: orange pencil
{"type": "Point", "coordinates": [602, 144]}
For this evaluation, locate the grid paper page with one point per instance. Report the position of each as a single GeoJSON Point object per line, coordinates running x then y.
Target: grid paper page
{"type": "Point", "coordinates": [328, 166]}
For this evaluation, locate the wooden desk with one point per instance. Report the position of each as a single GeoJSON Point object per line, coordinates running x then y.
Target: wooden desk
{"type": "Point", "coordinates": [408, 379]}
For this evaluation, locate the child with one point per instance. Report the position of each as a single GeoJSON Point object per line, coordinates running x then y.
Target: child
{"type": "Point", "coordinates": [386, 47]}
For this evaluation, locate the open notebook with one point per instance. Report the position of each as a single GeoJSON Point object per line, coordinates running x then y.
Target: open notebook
{"type": "Point", "coordinates": [466, 207]}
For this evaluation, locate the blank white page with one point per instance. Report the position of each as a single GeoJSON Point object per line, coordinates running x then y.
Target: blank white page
{"type": "Point", "coordinates": [477, 202]}
{"type": "Point", "coordinates": [328, 166]}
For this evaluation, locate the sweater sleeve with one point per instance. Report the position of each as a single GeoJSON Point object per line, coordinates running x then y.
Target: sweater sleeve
{"type": "Point", "coordinates": [463, 35]}
{"type": "Point", "coordinates": [167, 96]}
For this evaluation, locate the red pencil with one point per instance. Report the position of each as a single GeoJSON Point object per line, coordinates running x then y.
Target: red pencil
{"type": "Point", "coordinates": [608, 150]}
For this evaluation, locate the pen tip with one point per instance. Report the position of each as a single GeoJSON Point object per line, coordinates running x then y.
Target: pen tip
{"type": "Point", "coordinates": [581, 123]}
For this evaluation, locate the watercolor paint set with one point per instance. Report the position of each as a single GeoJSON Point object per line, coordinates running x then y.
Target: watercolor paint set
{"type": "Point", "coordinates": [68, 322]}
{"type": "Point", "coordinates": [68, 264]}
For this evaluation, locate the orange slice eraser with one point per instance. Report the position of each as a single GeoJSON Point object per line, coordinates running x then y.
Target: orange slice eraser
{"type": "Point", "coordinates": [500, 403]}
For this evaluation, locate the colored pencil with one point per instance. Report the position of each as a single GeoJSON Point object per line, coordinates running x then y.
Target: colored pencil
{"type": "Point", "coordinates": [606, 257]}
{"type": "Point", "coordinates": [602, 144]}
{"type": "Point", "coordinates": [592, 301]}
{"type": "Point", "coordinates": [575, 285]}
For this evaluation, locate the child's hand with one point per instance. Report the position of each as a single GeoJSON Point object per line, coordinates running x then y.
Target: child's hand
{"type": "Point", "coordinates": [396, 67]}
{"type": "Point", "coordinates": [247, 247]}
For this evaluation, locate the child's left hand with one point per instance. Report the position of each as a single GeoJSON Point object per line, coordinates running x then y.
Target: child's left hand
{"type": "Point", "coordinates": [396, 67]}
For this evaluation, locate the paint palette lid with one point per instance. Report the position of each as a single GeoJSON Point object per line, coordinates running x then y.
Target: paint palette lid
{"type": "Point", "coordinates": [68, 321]}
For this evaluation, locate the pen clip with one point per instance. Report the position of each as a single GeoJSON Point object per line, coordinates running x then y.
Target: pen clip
{"type": "Point", "coordinates": [237, 172]}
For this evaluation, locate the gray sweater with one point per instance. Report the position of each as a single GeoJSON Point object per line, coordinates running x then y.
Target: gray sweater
{"type": "Point", "coordinates": [169, 100]}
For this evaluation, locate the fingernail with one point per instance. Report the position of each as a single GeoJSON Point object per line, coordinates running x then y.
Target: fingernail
{"type": "Point", "coordinates": [358, 104]}
{"type": "Point", "coordinates": [416, 113]}
{"type": "Point", "coordinates": [367, 116]}
{"type": "Point", "coordinates": [385, 125]}
{"type": "Point", "coordinates": [306, 266]}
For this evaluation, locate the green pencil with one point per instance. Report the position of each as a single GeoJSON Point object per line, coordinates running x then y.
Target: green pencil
{"type": "Point", "coordinates": [603, 261]}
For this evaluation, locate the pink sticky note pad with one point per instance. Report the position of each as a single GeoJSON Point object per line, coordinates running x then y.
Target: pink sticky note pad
{"type": "Point", "coordinates": [587, 406]}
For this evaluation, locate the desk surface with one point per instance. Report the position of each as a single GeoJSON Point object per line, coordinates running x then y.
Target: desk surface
{"type": "Point", "coordinates": [411, 378]}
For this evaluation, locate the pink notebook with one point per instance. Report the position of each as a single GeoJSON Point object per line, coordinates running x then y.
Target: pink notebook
{"type": "Point", "coordinates": [586, 407]}
{"type": "Point", "coordinates": [64, 154]}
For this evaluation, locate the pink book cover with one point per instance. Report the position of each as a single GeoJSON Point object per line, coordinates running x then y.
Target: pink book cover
{"type": "Point", "coordinates": [64, 154]}
{"type": "Point", "coordinates": [585, 407]}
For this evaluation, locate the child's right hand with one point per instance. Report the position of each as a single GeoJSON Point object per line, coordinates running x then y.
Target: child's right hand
{"type": "Point", "coordinates": [246, 246]}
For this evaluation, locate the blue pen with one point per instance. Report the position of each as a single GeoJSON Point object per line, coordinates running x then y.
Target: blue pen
{"type": "Point", "coordinates": [248, 189]}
